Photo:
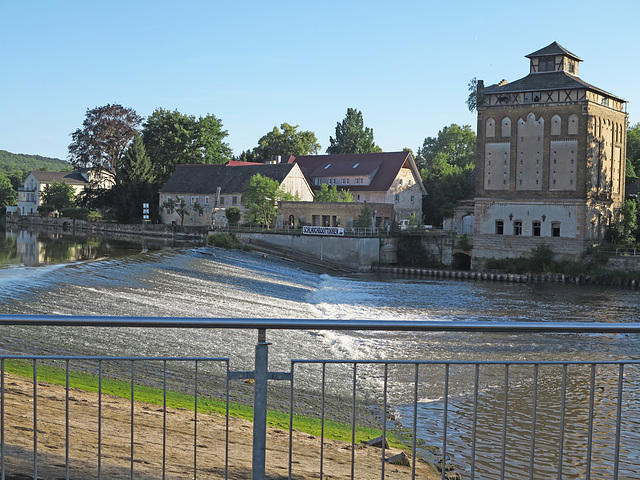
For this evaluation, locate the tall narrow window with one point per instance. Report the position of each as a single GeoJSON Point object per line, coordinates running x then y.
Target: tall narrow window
{"type": "Point", "coordinates": [555, 229]}
{"type": "Point", "coordinates": [536, 227]}
{"type": "Point", "coordinates": [517, 227]}
{"type": "Point", "coordinates": [499, 227]}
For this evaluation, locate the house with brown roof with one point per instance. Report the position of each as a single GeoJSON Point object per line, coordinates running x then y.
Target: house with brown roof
{"type": "Point", "coordinates": [30, 196]}
{"type": "Point", "coordinates": [218, 187]}
{"type": "Point", "coordinates": [390, 178]}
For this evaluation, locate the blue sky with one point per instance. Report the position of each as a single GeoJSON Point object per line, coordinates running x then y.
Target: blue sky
{"type": "Point", "coordinates": [255, 65]}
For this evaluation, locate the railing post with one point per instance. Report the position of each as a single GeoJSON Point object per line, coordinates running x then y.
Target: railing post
{"type": "Point", "coordinates": [260, 406]}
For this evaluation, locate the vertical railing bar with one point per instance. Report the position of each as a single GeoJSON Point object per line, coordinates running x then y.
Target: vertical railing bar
{"type": "Point", "coordinates": [618, 421]}
{"type": "Point", "coordinates": [505, 416]}
{"type": "Point", "coordinates": [474, 434]}
{"type": "Point", "coordinates": [195, 423]}
{"type": "Point", "coordinates": [291, 391]}
{"type": "Point", "coordinates": [66, 447]}
{"type": "Point", "coordinates": [226, 439]}
{"type": "Point", "coordinates": [415, 422]}
{"type": "Point", "coordinates": [35, 419]}
{"type": "Point", "coordinates": [384, 417]}
{"type": "Point", "coordinates": [445, 420]}
{"type": "Point", "coordinates": [2, 421]}
{"type": "Point", "coordinates": [592, 393]}
{"type": "Point", "coordinates": [353, 424]}
{"type": "Point", "coordinates": [164, 419]}
{"type": "Point", "coordinates": [534, 417]}
{"type": "Point", "coordinates": [261, 368]}
{"type": "Point", "coordinates": [563, 414]}
{"type": "Point", "coordinates": [99, 419]}
{"type": "Point", "coordinates": [323, 392]}
{"type": "Point", "coordinates": [132, 410]}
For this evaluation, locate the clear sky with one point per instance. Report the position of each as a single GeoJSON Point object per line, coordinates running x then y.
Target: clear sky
{"type": "Point", "coordinates": [257, 64]}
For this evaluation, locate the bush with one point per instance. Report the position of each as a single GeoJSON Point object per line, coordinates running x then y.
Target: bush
{"type": "Point", "coordinates": [222, 240]}
{"type": "Point", "coordinates": [77, 213]}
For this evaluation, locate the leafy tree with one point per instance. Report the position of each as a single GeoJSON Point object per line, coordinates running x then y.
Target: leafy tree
{"type": "Point", "coordinates": [475, 95]}
{"type": "Point", "coordinates": [135, 182]}
{"type": "Point", "coordinates": [287, 141]}
{"type": "Point", "coordinates": [233, 215]}
{"type": "Point", "coordinates": [103, 139]}
{"type": "Point", "coordinates": [352, 136]}
{"type": "Point", "coordinates": [331, 194]}
{"type": "Point", "coordinates": [58, 195]}
{"type": "Point", "coordinates": [172, 138]}
{"type": "Point", "coordinates": [177, 205]}
{"type": "Point", "coordinates": [365, 218]}
{"type": "Point", "coordinates": [8, 195]}
{"type": "Point", "coordinates": [633, 152]}
{"type": "Point", "coordinates": [447, 162]}
{"type": "Point", "coordinates": [261, 196]}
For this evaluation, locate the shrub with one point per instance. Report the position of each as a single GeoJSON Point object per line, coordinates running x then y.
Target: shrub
{"type": "Point", "coordinates": [77, 213]}
{"type": "Point", "coordinates": [222, 240]}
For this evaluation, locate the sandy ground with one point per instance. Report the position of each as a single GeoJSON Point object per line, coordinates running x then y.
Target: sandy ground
{"type": "Point", "coordinates": [148, 445]}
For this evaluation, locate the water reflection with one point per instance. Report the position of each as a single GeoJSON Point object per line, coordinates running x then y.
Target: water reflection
{"type": "Point", "coordinates": [33, 248]}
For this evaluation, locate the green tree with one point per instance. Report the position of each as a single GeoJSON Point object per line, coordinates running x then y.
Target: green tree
{"type": "Point", "coordinates": [172, 138]}
{"type": "Point", "coordinates": [475, 95]}
{"type": "Point", "coordinates": [287, 141]}
{"type": "Point", "coordinates": [58, 195]}
{"type": "Point", "coordinates": [633, 152]}
{"type": "Point", "coordinates": [365, 218]}
{"type": "Point", "coordinates": [447, 163]}
{"type": "Point", "coordinates": [177, 205]}
{"type": "Point", "coordinates": [331, 194]}
{"type": "Point", "coordinates": [135, 183]}
{"type": "Point", "coordinates": [8, 195]}
{"type": "Point", "coordinates": [103, 139]}
{"type": "Point", "coordinates": [261, 196]}
{"type": "Point", "coordinates": [352, 136]}
{"type": "Point", "coordinates": [233, 215]}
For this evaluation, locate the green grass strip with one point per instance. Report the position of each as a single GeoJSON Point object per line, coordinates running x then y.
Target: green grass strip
{"type": "Point", "coordinates": [155, 396]}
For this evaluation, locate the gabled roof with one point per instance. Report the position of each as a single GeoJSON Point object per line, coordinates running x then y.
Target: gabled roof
{"type": "Point", "coordinates": [385, 166]}
{"type": "Point", "coordinates": [205, 179]}
{"type": "Point", "coordinates": [553, 49]}
{"type": "Point", "coordinates": [540, 82]}
{"type": "Point", "coordinates": [72, 178]}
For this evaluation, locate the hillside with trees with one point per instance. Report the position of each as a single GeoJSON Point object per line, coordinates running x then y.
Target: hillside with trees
{"type": "Point", "coordinates": [16, 166]}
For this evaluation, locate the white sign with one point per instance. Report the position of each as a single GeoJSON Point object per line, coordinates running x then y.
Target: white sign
{"type": "Point", "coordinates": [307, 230]}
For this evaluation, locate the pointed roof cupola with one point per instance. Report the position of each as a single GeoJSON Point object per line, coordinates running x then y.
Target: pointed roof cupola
{"type": "Point", "coordinates": [554, 58]}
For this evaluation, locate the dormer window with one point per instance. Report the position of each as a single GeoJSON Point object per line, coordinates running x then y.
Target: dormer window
{"type": "Point", "coordinates": [547, 64]}
{"type": "Point", "coordinates": [328, 165]}
{"type": "Point", "coordinates": [356, 165]}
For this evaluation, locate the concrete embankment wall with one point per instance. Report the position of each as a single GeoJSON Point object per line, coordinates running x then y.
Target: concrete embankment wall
{"type": "Point", "coordinates": [354, 253]}
{"type": "Point", "coordinates": [505, 277]}
{"type": "Point", "coordinates": [150, 230]}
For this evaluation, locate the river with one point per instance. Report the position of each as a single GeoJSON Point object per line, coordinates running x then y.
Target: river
{"type": "Point", "coordinates": [97, 277]}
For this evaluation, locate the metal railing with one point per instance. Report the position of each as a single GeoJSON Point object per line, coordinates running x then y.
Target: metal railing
{"type": "Point", "coordinates": [454, 422]}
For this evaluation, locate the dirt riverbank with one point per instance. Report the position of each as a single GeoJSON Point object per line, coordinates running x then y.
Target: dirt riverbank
{"type": "Point", "coordinates": [149, 442]}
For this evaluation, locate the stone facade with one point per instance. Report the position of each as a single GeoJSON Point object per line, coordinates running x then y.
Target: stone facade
{"type": "Point", "coordinates": [331, 214]}
{"type": "Point", "coordinates": [550, 160]}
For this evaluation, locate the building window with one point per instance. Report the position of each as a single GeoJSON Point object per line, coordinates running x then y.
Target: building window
{"type": "Point", "coordinates": [397, 197]}
{"type": "Point", "coordinates": [221, 201]}
{"type": "Point", "coordinates": [535, 228]}
{"type": "Point", "coordinates": [400, 182]}
{"type": "Point", "coordinates": [409, 182]}
{"type": "Point", "coordinates": [412, 199]}
{"type": "Point", "coordinates": [206, 200]}
{"type": "Point", "coordinates": [555, 229]}
{"type": "Point", "coordinates": [234, 200]}
{"type": "Point", "coordinates": [517, 227]}
{"type": "Point", "coordinates": [499, 227]}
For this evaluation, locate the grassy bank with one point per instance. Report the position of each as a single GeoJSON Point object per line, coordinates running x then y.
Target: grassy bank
{"type": "Point", "coordinates": [156, 396]}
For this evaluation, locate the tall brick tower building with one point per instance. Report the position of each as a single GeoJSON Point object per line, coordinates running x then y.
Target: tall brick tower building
{"type": "Point", "coordinates": [550, 165]}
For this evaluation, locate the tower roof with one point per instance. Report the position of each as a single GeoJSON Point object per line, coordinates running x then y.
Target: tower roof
{"type": "Point", "coordinates": [553, 49]}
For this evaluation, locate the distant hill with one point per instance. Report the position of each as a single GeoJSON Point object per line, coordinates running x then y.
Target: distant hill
{"type": "Point", "coordinates": [16, 166]}
{"type": "Point", "coordinates": [10, 162]}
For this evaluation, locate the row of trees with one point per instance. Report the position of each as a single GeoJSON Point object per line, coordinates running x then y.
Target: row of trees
{"type": "Point", "coordinates": [137, 156]}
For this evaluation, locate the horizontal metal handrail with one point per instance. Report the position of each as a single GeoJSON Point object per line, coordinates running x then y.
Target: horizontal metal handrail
{"type": "Point", "coordinates": [320, 324]}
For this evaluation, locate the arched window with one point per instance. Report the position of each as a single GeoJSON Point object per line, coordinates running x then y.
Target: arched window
{"type": "Point", "coordinates": [490, 128]}
{"type": "Point", "coordinates": [556, 125]}
{"type": "Point", "coordinates": [506, 127]}
{"type": "Point", "coordinates": [573, 124]}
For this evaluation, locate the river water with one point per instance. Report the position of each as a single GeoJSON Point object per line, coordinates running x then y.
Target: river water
{"type": "Point", "coordinates": [98, 277]}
